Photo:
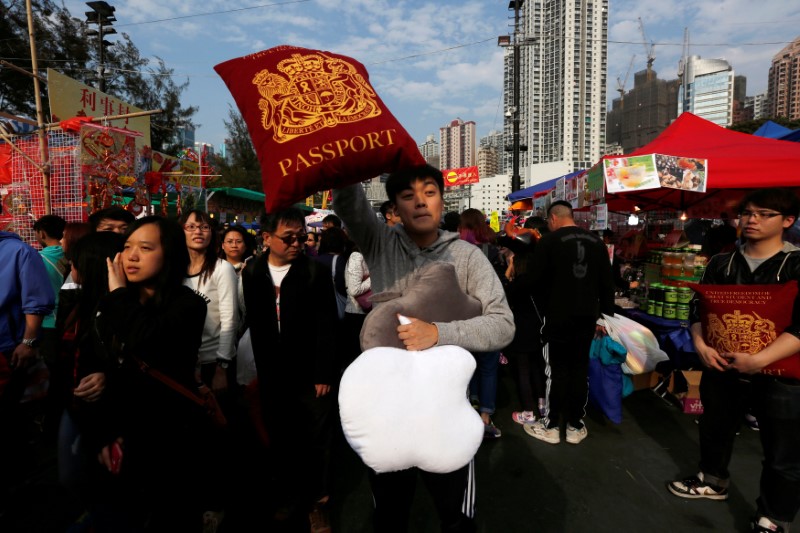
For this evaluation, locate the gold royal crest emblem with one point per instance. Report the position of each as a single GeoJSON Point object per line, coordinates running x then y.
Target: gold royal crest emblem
{"type": "Point", "coordinates": [317, 92]}
{"type": "Point", "coordinates": [740, 332]}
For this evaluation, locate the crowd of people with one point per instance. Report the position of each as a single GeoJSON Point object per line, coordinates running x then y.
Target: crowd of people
{"type": "Point", "coordinates": [129, 314]}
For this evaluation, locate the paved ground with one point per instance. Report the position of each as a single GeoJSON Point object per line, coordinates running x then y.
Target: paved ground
{"type": "Point", "coordinates": [613, 481]}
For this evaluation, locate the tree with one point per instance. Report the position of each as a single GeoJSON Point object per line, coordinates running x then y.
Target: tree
{"type": "Point", "coordinates": [241, 169]}
{"type": "Point", "coordinates": [750, 126]}
{"type": "Point", "coordinates": [61, 44]}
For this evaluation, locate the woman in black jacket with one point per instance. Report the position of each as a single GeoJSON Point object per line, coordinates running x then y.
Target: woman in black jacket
{"type": "Point", "coordinates": [150, 318]}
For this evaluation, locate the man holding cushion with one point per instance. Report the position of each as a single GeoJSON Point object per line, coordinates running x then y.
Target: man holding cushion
{"type": "Point", "coordinates": [394, 255]}
{"type": "Point", "coordinates": [770, 268]}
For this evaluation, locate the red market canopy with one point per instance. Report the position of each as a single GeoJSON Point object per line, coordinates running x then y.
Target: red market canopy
{"type": "Point", "coordinates": [736, 162]}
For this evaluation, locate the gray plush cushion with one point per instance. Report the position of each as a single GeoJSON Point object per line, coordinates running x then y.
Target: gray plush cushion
{"type": "Point", "coordinates": [432, 296]}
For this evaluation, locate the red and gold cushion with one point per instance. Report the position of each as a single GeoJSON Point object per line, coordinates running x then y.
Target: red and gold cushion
{"type": "Point", "coordinates": [315, 121]}
{"type": "Point", "coordinates": [747, 318]}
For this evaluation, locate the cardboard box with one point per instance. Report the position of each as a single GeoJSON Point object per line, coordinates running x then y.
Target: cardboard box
{"type": "Point", "coordinates": [642, 381]}
{"type": "Point", "coordinates": [658, 385]}
{"type": "Point", "coordinates": [691, 402]}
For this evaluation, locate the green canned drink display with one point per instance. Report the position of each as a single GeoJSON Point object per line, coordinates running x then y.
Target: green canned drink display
{"type": "Point", "coordinates": [684, 295]}
{"type": "Point", "coordinates": [651, 306]}
{"type": "Point", "coordinates": [671, 294]}
{"type": "Point", "coordinates": [659, 308]}
{"type": "Point", "coordinates": [682, 312]}
{"type": "Point", "coordinates": [670, 310]}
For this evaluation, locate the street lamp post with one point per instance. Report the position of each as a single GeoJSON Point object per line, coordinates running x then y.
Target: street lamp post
{"type": "Point", "coordinates": [513, 111]}
{"type": "Point", "coordinates": [101, 14]}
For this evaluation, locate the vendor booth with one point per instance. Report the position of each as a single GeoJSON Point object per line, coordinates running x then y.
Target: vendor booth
{"type": "Point", "coordinates": [672, 204]}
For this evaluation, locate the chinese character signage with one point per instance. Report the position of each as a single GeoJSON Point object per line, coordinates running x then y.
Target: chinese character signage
{"type": "Point", "coordinates": [460, 176]}
{"type": "Point", "coordinates": [70, 98]}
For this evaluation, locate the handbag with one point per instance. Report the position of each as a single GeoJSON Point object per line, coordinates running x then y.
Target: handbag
{"type": "Point", "coordinates": [203, 396]}
{"type": "Point", "coordinates": [364, 301]}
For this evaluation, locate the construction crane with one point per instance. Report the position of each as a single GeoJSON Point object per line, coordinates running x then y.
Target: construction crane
{"type": "Point", "coordinates": [649, 50]}
{"type": "Point", "coordinates": [621, 83]}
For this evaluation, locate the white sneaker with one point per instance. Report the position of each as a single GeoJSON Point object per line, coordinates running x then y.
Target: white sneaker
{"type": "Point", "coordinates": [538, 430]}
{"type": "Point", "coordinates": [575, 436]}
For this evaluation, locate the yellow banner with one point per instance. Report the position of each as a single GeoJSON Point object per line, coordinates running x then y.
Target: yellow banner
{"type": "Point", "coordinates": [70, 98]}
{"type": "Point", "coordinates": [494, 221]}
{"type": "Point", "coordinates": [189, 170]}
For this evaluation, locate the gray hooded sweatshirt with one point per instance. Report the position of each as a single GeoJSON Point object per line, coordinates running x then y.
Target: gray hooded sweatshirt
{"type": "Point", "coordinates": [393, 258]}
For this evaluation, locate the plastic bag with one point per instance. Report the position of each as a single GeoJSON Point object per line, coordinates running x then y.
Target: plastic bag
{"type": "Point", "coordinates": [643, 350]}
{"type": "Point", "coordinates": [245, 361]}
{"type": "Point", "coordinates": [605, 381]}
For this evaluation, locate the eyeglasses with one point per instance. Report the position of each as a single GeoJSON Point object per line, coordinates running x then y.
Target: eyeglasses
{"type": "Point", "coordinates": [205, 228]}
{"type": "Point", "coordinates": [759, 214]}
{"type": "Point", "coordinates": [289, 239]}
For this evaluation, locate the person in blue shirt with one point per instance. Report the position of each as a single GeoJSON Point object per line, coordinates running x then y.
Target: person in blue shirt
{"type": "Point", "coordinates": [26, 297]}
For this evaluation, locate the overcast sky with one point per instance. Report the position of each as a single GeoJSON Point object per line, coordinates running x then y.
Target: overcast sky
{"type": "Point", "coordinates": [432, 62]}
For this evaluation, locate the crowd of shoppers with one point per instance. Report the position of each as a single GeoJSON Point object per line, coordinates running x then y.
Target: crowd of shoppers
{"type": "Point", "coordinates": [113, 304]}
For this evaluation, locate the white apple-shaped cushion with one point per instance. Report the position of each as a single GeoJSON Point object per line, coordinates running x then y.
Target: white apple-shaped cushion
{"type": "Point", "coordinates": [403, 409]}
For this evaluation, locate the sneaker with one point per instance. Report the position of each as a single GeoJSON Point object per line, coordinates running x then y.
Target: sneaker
{"type": "Point", "coordinates": [575, 436]}
{"type": "Point", "coordinates": [212, 521]}
{"type": "Point", "coordinates": [751, 421]}
{"type": "Point", "coordinates": [490, 431]}
{"type": "Point", "coordinates": [765, 525]}
{"type": "Point", "coordinates": [694, 487]}
{"type": "Point", "coordinates": [523, 417]}
{"type": "Point", "coordinates": [538, 430]}
{"type": "Point", "coordinates": [319, 519]}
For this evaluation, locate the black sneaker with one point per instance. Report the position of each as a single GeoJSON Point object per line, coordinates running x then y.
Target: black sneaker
{"type": "Point", "coordinates": [694, 488]}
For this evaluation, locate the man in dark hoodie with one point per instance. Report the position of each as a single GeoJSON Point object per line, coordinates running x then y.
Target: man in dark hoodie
{"type": "Point", "coordinates": [393, 256]}
{"type": "Point", "coordinates": [763, 259]}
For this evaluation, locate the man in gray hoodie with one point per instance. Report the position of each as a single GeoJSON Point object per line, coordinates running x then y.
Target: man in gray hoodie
{"type": "Point", "coordinates": [393, 256]}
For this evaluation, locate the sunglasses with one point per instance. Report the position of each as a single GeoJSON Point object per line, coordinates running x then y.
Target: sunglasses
{"type": "Point", "coordinates": [289, 239]}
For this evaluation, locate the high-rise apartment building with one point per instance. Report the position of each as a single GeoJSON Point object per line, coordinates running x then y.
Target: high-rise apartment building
{"type": "Point", "coordinates": [708, 89]}
{"type": "Point", "coordinates": [641, 114]}
{"type": "Point", "coordinates": [784, 83]}
{"type": "Point", "coordinates": [493, 143]}
{"type": "Point", "coordinates": [757, 106]}
{"type": "Point", "coordinates": [430, 151]}
{"type": "Point", "coordinates": [457, 145]}
{"type": "Point", "coordinates": [562, 105]}
{"type": "Point", "coordinates": [487, 161]}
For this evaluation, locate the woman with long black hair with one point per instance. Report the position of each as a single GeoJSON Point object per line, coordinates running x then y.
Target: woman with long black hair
{"type": "Point", "coordinates": [155, 439]}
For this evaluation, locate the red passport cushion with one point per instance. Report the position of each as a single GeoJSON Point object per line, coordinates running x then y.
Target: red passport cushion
{"type": "Point", "coordinates": [315, 121]}
{"type": "Point", "coordinates": [747, 318]}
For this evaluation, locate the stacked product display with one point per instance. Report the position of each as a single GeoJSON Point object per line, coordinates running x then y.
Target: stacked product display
{"type": "Point", "coordinates": [668, 272]}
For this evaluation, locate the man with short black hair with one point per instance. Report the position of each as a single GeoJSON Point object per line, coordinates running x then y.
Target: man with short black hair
{"type": "Point", "coordinates": [763, 259]}
{"type": "Point", "coordinates": [573, 285]}
{"type": "Point", "coordinates": [295, 363]}
{"type": "Point", "coordinates": [394, 255]}
{"type": "Point", "coordinates": [113, 219]}
{"type": "Point", "coordinates": [331, 221]}
{"type": "Point", "coordinates": [389, 216]}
